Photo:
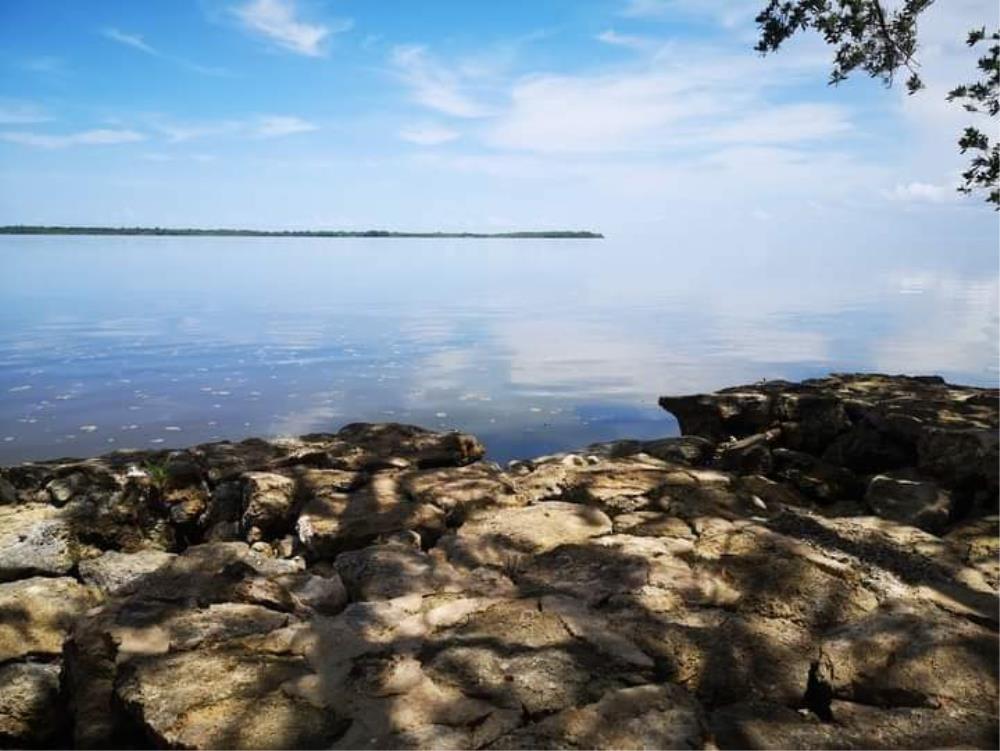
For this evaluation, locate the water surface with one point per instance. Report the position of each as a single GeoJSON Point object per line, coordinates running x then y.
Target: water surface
{"type": "Point", "coordinates": [533, 345]}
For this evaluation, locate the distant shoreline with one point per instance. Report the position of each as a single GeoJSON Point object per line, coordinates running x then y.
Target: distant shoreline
{"type": "Point", "coordinates": [23, 229]}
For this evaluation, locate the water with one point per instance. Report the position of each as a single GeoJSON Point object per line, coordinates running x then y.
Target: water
{"type": "Point", "coordinates": [534, 346]}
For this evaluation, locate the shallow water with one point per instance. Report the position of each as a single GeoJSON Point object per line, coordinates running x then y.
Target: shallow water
{"type": "Point", "coordinates": [533, 345]}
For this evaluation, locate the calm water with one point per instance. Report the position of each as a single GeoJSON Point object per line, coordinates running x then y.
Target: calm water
{"type": "Point", "coordinates": [534, 346]}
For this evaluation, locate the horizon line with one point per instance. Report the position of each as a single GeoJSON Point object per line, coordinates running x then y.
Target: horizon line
{"type": "Point", "coordinates": [42, 229]}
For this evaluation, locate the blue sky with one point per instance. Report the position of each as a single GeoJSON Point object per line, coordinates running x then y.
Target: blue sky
{"type": "Point", "coordinates": [646, 117]}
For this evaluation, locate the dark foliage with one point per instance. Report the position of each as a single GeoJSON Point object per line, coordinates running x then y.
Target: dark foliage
{"type": "Point", "coordinates": [882, 43]}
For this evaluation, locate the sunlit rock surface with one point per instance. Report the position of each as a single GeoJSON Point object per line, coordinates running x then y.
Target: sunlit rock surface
{"type": "Point", "coordinates": [815, 566]}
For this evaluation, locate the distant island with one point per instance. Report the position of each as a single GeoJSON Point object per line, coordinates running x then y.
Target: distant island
{"type": "Point", "coordinates": [25, 229]}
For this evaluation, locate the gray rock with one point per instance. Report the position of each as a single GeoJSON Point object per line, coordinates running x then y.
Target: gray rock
{"type": "Point", "coordinates": [906, 498]}
{"type": "Point", "coordinates": [38, 614]}
{"type": "Point", "coordinates": [35, 539]}
{"type": "Point", "coordinates": [115, 573]}
{"type": "Point", "coordinates": [905, 655]}
{"type": "Point", "coordinates": [503, 537]}
{"type": "Point", "coordinates": [30, 711]}
{"type": "Point", "coordinates": [268, 499]}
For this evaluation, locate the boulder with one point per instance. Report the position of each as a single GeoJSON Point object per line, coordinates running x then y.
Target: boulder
{"type": "Point", "coordinates": [647, 716]}
{"type": "Point", "coordinates": [906, 498]}
{"type": "Point", "coordinates": [460, 491]}
{"type": "Point", "coordinates": [31, 714]}
{"type": "Point", "coordinates": [504, 537]}
{"type": "Point", "coordinates": [335, 522]}
{"type": "Point", "coordinates": [221, 698]}
{"type": "Point", "coordinates": [114, 573]}
{"type": "Point", "coordinates": [36, 539]}
{"type": "Point", "coordinates": [37, 614]}
{"type": "Point", "coordinates": [268, 500]}
{"type": "Point", "coordinates": [903, 655]}
{"type": "Point", "coordinates": [766, 725]}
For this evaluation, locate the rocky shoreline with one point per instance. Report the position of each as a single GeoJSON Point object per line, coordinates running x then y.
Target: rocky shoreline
{"type": "Point", "coordinates": [810, 565]}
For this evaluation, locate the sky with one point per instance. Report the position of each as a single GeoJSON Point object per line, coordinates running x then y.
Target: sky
{"type": "Point", "coordinates": [651, 118]}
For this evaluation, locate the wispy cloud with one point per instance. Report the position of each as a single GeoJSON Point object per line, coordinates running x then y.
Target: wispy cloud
{"type": "Point", "coordinates": [918, 192]}
{"type": "Point", "coordinates": [434, 85]}
{"type": "Point", "coordinates": [264, 126]}
{"type": "Point", "coordinates": [276, 126]}
{"type": "Point", "coordinates": [612, 37]}
{"type": "Point", "coordinates": [48, 65]}
{"type": "Point", "coordinates": [278, 22]}
{"type": "Point", "coordinates": [16, 112]}
{"type": "Point", "coordinates": [674, 97]}
{"type": "Point", "coordinates": [727, 13]}
{"type": "Point", "coordinates": [137, 42]}
{"type": "Point", "coordinates": [134, 41]}
{"type": "Point", "coordinates": [429, 135]}
{"type": "Point", "coordinates": [98, 137]}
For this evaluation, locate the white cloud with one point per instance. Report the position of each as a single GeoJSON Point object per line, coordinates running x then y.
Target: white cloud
{"type": "Point", "coordinates": [265, 126]}
{"type": "Point", "coordinates": [99, 137]}
{"type": "Point", "coordinates": [727, 13]}
{"type": "Point", "coordinates": [277, 21]}
{"type": "Point", "coordinates": [15, 112]}
{"type": "Point", "coordinates": [275, 126]}
{"type": "Point", "coordinates": [134, 41]}
{"type": "Point", "coordinates": [436, 86]}
{"type": "Point", "coordinates": [189, 132]}
{"type": "Point", "coordinates": [918, 192]}
{"type": "Point", "coordinates": [661, 109]}
{"type": "Point", "coordinates": [428, 135]}
{"type": "Point", "coordinates": [612, 37]}
{"type": "Point", "coordinates": [646, 8]}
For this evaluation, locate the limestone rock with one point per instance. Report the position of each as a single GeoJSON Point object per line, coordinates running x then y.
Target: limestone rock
{"type": "Point", "coordinates": [764, 725]}
{"type": "Point", "coordinates": [227, 699]}
{"type": "Point", "coordinates": [267, 501]}
{"type": "Point", "coordinates": [460, 491]}
{"type": "Point", "coordinates": [38, 613]}
{"type": "Point", "coordinates": [902, 655]}
{"type": "Point", "coordinates": [30, 713]}
{"type": "Point", "coordinates": [648, 716]}
{"type": "Point", "coordinates": [504, 537]}
{"type": "Point", "coordinates": [334, 522]}
{"type": "Point", "coordinates": [35, 539]}
{"type": "Point", "coordinates": [114, 572]}
{"type": "Point", "coordinates": [905, 498]}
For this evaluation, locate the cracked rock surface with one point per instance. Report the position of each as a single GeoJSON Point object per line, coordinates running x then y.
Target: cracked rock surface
{"type": "Point", "coordinates": [811, 565]}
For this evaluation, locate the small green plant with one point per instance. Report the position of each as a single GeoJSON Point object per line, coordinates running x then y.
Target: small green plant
{"type": "Point", "coordinates": [157, 474]}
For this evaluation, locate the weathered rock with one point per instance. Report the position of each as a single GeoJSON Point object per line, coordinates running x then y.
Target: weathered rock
{"type": "Point", "coordinates": [375, 446]}
{"type": "Point", "coordinates": [334, 522]}
{"type": "Point", "coordinates": [650, 716]}
{"type": "Point", "coordinates": [728, 414]}
{"type": "Point", "coordinates": [226, 700]}
{"type": "Point", "coordinates": [669, 604]}
{"type": "Point", "coordinates": [37, 614]}
{"type": "Point", "coordinates": [35, 539]}
{"type": "Point", "coordinates": [115, 573]}
{"type": "Point", "coordinates": [30, 712]}
{"type": "Point", "coordinates": [8, 493]}
{"type": "Point", "coordinates": [815, 478]}
{"type": "Point", "coordinates": [460, 491]}
{"type": "Point", "coordinates": [382, 572]}
{"type": "Point", "coordinates": [751, 455]}
{"type": "Point", "coordinates": [763, 725]}
{"type": "Point", "coordinates": [268, 499]}
{"type": "Point", "coordinates": [906, 656]}
{"type": "Point", "coordinates": [516, 656]}
{"type": "Point", "coordinates": [505, 537]}
{"type": "Point", "coordinates": [905, 498]}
